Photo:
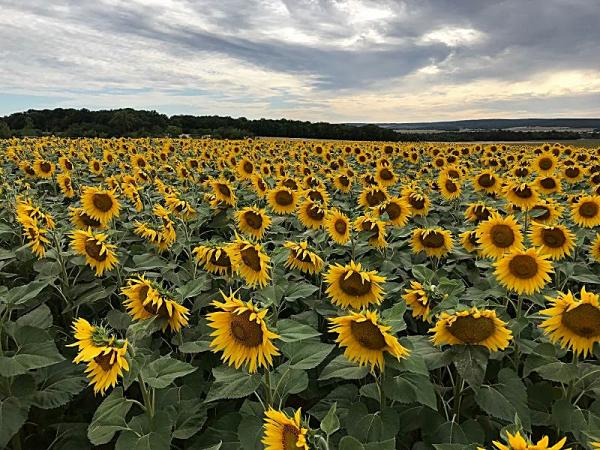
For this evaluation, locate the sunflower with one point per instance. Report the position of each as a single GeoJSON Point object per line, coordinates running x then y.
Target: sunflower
{"type": "Point", "coordinates": [450, 188]}
{"type": "Point", "coordinates": [95, 166]}
{"type": "Point", "coordinates": [435, 242]}
{"type": "Point", "coordinates": [486, 181]}
{"type": "Point", "coordinates": [417, 299]}
{"type": "Point", "coordinates": [553, 240]}
{"type": "Point", "coordinates": [251, 262]}
{"type": "Point", "coordinates": [81, 220]}
{"type": "Point", "coordinates": [469, 241]}
{"type": "Point", "coordinates": [282, 200]}
{"type": "Point", "coordinates": [595, 248]}
{"type": "Point", "coordinates": [337, 225]}
{"type": "Point", "coordinates": [573, 173]}
{"type": "Point", "coordinates": [66, 184]}
{"type": "Point", "coordinates": [573, 323]}
{"type": "Point", "coordinates": [65, 164]}
{"type": "Point", "coordinates": [36, 237]}
{"type": "Point", "coordinates": [546, 211]}
{"type": "Point", "coordinates": [548, 184]}
{"type": "Point", "coordinates": [311, 214]}
{"type": "Point", "coordinates": [374, 228]}
{"type": "Point", "coordinates": [146, 300]}
{"type": "Point", "coordinates": [181, 208]}
{"type": "Point", "coordinates": [478, 212]}
{"type": "Point", "coordinates": [472, 327]}
{"type": "Point", "coordinates": [523, 271]}
{"type": "Point", "coordinates": [342, 182]}
{"type": "Point", "coordinates": [241, 333]}
{"type": "Point", "coordinates": [133, 193]}
{"type": "Point", "coordinates": [99, 254]}
{"type": "Point", "coordinates": [253, 221]}
{"type": "Point", "coordinates": [43, 168]}
{"type": "Point", "coordinates": [523, 195]}
{"type": "Point", "coordinates": [245, 168]}
{"type": "Point", "coordinates": [351, 286]}
{"type": "Point", "coordinates": [372, 196]}
{"type": "Point", "coordinates": [100, 204]}
{"type": "Point", "coordinates": [26, 210]}
{"type": "Point", "coordinates": [224, 192]}
{"type": "Point", "coordinates": [396, 210]}
{"type": "Point", "coordinates": [283, 432]}
{"type": "Point", "coordinates": [260, 186]}
{"type": "Point", "coordinates": [218, 260]}
{"type": "Point", "coordinates": [545, 163]}
{"type": "Point", "coordinates": [302, 258]}
{"type": "Point", "coordinates": [318, 195]}
{"type": "Point", "coordinates": [385, 176]}
{"type": "Point", "coordinates": [499, 235]}
{"type": "Point", "coordinates": [586, 211]}
{"type": "Point", "coordinates": [518, 442]}
{"type": "Point", "coordinates": [419, 203]}
{"type": "Point", "coordinates": [366, 339]}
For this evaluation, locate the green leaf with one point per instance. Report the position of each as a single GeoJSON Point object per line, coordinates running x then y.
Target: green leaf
{"type": "Point", "coordinates": [194, 347]}
{"type": "Point", "coordinates": [471, 362]}
{"type": "Point", "coordinates": [191, 416]}
{"type": "Point", "coordinates": [109, 418]}
{"type": "Point", "coordinates": [394, 317]}
{"type": "Point", "coordinates": [389, 444]}
{"type": "Point", "coordinates": [422, 273]}
{"type": "Point", "coordinates": [163, 371]}
{"type": "Point", "coordinates": [249, 428]}
{"type": "Point", "coordinates": [299, 291]}
{"type": "Point", "coordinates": [350, 443]}
{"type": "Point", "coordinates": [61, 382]}
{"type": "Point", "coordinates": [118, 320]}
{"type": "Point", "coordinates": [35, 349]}
{"type": "Point", "coordinates": [410, 387]}
{"type": "Point", "coordinates": [330, 423]}
{"type": "Point", "coordinates": [195, 287]}
{"type": "Point", "coordinates": [340, 367]}
{"type": "Point", "coordinates": [287, 381]}
{"type": "Point", "coordinates": [231, 383]}
{"type": "Point", "coordinates": [13, 414]}
{"type": "Point", "coordinates": [568, 417]}
{"type": "Point", "coordinates": [40, 317]}
{"type": "Point", "coordinates": [146, 434]}
{"type": "Point", "coordinates": [306, 355]}
{"type": "Point", "coordinates": [292, 331]}
{"type": "Point", "coordinates": [22, 294]}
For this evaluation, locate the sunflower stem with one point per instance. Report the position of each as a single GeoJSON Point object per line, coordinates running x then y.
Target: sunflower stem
{"type": "Point", "coordinates": [459, 385]}
{"type": "Point", "coordinates": [268, 392]}
{"type": "Point", "coordinates": [571, 386]}
{"type": "Point", "coordinates": [148, 404]}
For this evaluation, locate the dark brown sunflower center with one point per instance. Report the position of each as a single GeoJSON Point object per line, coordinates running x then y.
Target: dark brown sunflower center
{"type": "Point", "coordinates": [375, 197]}
{"type": "Point", "coordinates": [548, 183]}
{"type": "Point", "coordinates": [104, 361]}
{"type": "Point", "coordinates": [253, 220]}
{"type": "Point", "coordinates": [96, 165]}
{"type": "Point", "coordinates": [572, 172]}
{"type": "Point", "coordinates": [68, 165]}
{"type": "Point", "coordinates": [302, 256]}
{"type": "Point", "coordinates": [523, 192]}
{"type": "Point", "coordinates": [453, 173]}
{"type": "Point", "coordinates": [315, 213]}
{"type": "Point", "coordinates": [289, 437]}
{"type": "Point", "coordinates": [584, 320]}
{"type": "Point", "coordinates": [553, 237]}
{"type": "Point", "coordinates": [316, 196]}
{"type": "Point", "coordinates": [473, 239]}
{"type": "Point", "coordinates": [472, 330]}
{"type": "Point", "coordinates": [93, 249]}
{"type": "Point", "coordinates": [417, 202]}
{"type": "Point", "coordinates": [344, 180]}
{"type": "Point", "coordinates": [251, 258]}
{"type": "Point", "coordinates": [451, 186]}
{"type": "Point", "coordinates": [29, 170]}
{"type": "Point", "coordinates": [486, 180]}
{"type": "Point", "coordinates": [103, 202]}
{"type": "Point", "coordinates": [545, 163]}
{"type": "Point", "coordinates": [523, 266]}
{"type": "Point", "coordinates": [161, 311]}
{"type": "Point", "coordinates": [222, 261]}
{"type": "Point", "coordinates": [521, 172]}
{"type": "Point", "coordinates": [588, 209]}
{"type": "Point", "coordinates": [393, 210]}
{"type": "Point", "coordinates": [354, 285]}
{"type": "Point", "coordinates": [143, 292]}
{"type": "Point", "coordinates": [433, 239]}
{"type": "Point", "coordinates": [45, 166]}
{"type": "Point", "coordinates": [88, 221]}
{"type": "Point", "coordinates": [245, 331]}
{"type": "Point", "coordinates": [481, 213]}
{"type": "Point", "coordinates": [502, 235]}
{"type": "Point", "coordinates": [386, 174]}
{"type": "Point", "coordinates": [340, 226]}
{"type": "Point", "coordinates": [283, 198]}
{"type": "Point", "coordinates": [248, 167]}
{"type": "Point", "coordinates": [368, 334]}
{"type": "Point", "coordinates": [290, 184]}
{"type": "Point", "coordinates": [223, 189]}
{"type": "Point", "coordinates": [541, 212]}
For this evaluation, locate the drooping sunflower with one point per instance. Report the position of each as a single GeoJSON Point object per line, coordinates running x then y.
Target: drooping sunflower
{"type": "Point", "coordinates": [224, 192]}
{"type": "Point", "coordinates": [419, 203]}
{"type": "Point", "coordinates": [586, 211]}
{"type": "Point", "coordinates": [469, 241]}
{"type": "Point", "coordinates": [486, 181]}
{"type": "Point", "coordinates": [26, 210]}
{"type": "Point", "coordinates": [242, 334]}
{"type": "Point", "coordinates": [251, 262]}
{"type": "Point", "coordinates": [253, 221]}
{"type": "Point", "coordinates": [366, 339]}
{"type": "Point", "coordinates": [216, 259]}
{"type": "Point", "coordinates": [573, 323]}
{"type": "Point", "coordinates": [311, 214]}
{"type": "Point", "coordinates": [374, 229]}
{"type": "Point", "coordinates": [396, 210]}
{"type": "Point", "coordinates": [435, 242]}
{"type": "Point", "coordinates": [81, 220]}
{"type": "Point", "coordinates": [338, 226]}
{"type": "Point", "coordinates": [146, 299]}
{"type": "Point", "coordinates": [372, 196]}
{"type": "Point", "coordinates": [282, 200]}
{"type": "Point", "coordinates": [523, 195]}
{"type": "Point", "coordinates": [66, 184]}
{"type": "Point", "coordinates": [595, 248]}
{"type": "Point", "coordinates": [553, 240]}
{"type": "Point", "coordinates": [284, 433]}
{"type": "Point", "coordinates": [302, 258]}
{"type": "Point", "coordinates": [100, 204]}
{"type": "Point", "coordinates": [351, 286]}
{"type": "Point", "coordinates": [499, 235]}
{"type": "Point", "coordinates": [181, 208]}
{"type": "Point", "coordinates": [99, 254]}
{"type": "Point", "coordinates": [478, 212]}
{"type": "Point", "coordinates": [472, 327]}
{"type": "Point", "coordinates": [523, 271]}
{"type": "Point", "coordinates": [418, 301]}
{"type": "Point", "coordinates": [37, 239]}
{"type": "Point", "coordinates": [518, 442]}
{"type": "Point", "coordinates": [260, 186]}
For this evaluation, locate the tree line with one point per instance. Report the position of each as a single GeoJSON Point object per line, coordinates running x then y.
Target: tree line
{"type": "Point", "coordinates": [139, 123]}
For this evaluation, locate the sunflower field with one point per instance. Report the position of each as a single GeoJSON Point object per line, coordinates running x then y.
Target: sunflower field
{"type": "Point", "coordinates": [286, 294]}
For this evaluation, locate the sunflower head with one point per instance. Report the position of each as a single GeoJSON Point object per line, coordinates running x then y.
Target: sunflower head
{"type": "Point", "coordinates": [312, 214]}
{"type": "Point", "coordinates": [282, 200]}
{"type": "Point", "coordinates": [373, 228]}
{"type": "Point", "coordinates": [251, 262]}
{"type": "Point", "coordinates": [284, 433]}
{"type": "Point", "coordinates": [585, 212]}
{"type": "Point", "coordinates": [253, 221]}
{"type": "Point", "coordinates": [553, 240]}
{"type": "Point", "coordinates": [338, 226]}
{"type": "Point", "coordinates": [435, 242]}
{"type": "Point", "coordinates": [395, 211]}
{"type": "Point", "coordinates": [523, 271]}
{"type": "Point", "coordinates": [98, 253]}
{"type": "Point", "coordinates": [352, 286]}
{"type": "Point", "coordinates": [499, 235]}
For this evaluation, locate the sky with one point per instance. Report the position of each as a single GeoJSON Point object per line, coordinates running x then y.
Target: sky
{"type": "Point", "coordinates": [317, 60]}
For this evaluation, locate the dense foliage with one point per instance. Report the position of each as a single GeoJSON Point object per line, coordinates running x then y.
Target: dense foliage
{"type": "Point", "coordinates": [281, 294]}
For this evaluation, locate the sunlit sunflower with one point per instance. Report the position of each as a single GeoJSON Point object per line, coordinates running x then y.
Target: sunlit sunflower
{"type": "Point", "coordinates": [523, 271]}
{"type": "Point", "coordinates": [586, 211]}
{"type": "Point", "coordinates": [472, 327]}
{"type": "Point", "coordinates": [100, 204]}
{"type": "Point", "coordinates": [245, 168]}
{"type": "Point", "coordinates": [302, 258]}
{"type": "Point", "coordinates": [241, 333]}
{"type": "Point", "coordinates": [595, 248]}
{"type": "Point", "coordinates": [351, 286]}
{"type": "Point", "coordinates": [469, 241]}
{"type": "Point", "coordinates": [385, 176]}
{"type": "Point", "coordinates": [435, 242]}
{"type": "Point", "coordinates": [311, 214]}
{"type": "Point", "coordinates": [318, 195]}
{"type": "Point", "coordinates": [146, 299]}
{"type": "Point", "coordinates": [372, 196]}
{"type": "Point", "coordinates": [419, 203]}
{"type": "Point", "coordinates": [342, 182]}
{"type": "Point", "coordinates": [218, 260]}
{"type": "Point", "coordinates": [545, 163]}
{"type": "Point", "coordinates": [573, 173]}
{"type": "Point", "coordinates": [418, 301]}
{"type": "Point", "coordinates": [260, 186]}
{"type": "Point", "coordinates": [338, 226]}
{"type": "Point", "coordinates": [395, 211]}
{"type": "Point", "coordinates": [486, 181]}
{"type": "Point", "coordinates": [546, 211]}
{"type": "Point", "coordinates": [284, 433]}
{"type": "Point", "coordinates": [251, 262]}
{"type": "Point", "coordinates": [44, 168]}
{"type": "Point", "coordinates": [553, 240]}
{"type": "Point", "coordinates": [478, 212]}
{"type": "Point", "coordinates": [66, 184]}
{"type": "Point", "coordinates": [548, 184]}
{"type": "Point", "coordinates": [499, 235]}
{"type": "Point", "coordinates": [81, 220]}
{"type": "Point", "coordinates": [518, 442]}
{"type": "Point", "coordinates": [282, 200]}
{"type": "Point", "coordinates": [95, 166]}
{"type": "Point", "coordinates": [253, 221]}
{"type": "Point", "coordinates": [523, 195]}
{"type": "Point", "coordinates": [37, 239]}
{"type": "Point", "coordinates": [179, 207]}
{"type": "Point", "coordinates": [366, 339]}
{"type": "Point", "coordinates": [99, 254]}
{"type": "Point", "coordinates": [450, 188]}
{"type": "Point", "coordinates": [373, 228]}
{"type": "Point", "coordinates": [26, 209]}
{"type": "Point", "coordinates": [224, 192]}
{"type": "Point", "coordinates": [573, 323]}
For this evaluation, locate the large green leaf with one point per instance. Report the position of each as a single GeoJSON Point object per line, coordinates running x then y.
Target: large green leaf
{"type": "Point", "coordinates": [232, 383]}
{"type": "Point", "coordinates": [35, 349]}
{"type": "Point", "coordinates": [13, 414]}
{"type": "Point", "coordinates": [109, 417]}
{"type": "Point", "coordinates": [163, 371]}
{"type": "Point", "coordinates": [410, 387]}
{"type": "Point", "coordinates": [20, 295]}
{"type": "Point", "coordinates": [146, 434]}
{"type": "Point", "coordinates": [340, 367]}
{"type": "Point", "coordinates": [306, 354]}
{"type": "Point", "coordinates": [292, 331]}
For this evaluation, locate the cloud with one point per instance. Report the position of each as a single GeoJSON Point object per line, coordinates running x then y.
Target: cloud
{"type": "Point", "coordinates": [336, 60]}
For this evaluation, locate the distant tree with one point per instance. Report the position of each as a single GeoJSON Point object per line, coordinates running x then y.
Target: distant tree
{"type": "Point", "coordinates": [5, 131]}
